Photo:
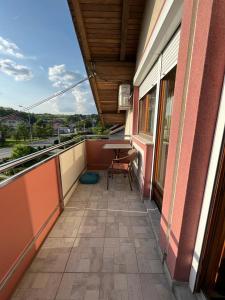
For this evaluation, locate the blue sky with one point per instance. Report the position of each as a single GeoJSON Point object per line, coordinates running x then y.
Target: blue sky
{"type": "Point", "coordinates": [40, 55]}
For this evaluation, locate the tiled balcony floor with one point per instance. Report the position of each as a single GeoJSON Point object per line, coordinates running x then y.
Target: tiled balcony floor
{"type": "Point", "coordinates": [101, 247]}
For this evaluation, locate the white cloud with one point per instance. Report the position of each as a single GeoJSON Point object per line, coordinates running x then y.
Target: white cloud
{"type": "Point", "coordinates": [10, 48]}
{"type": "Point", "coordinates": [18, 72]}
{"type": "Point", "coordinates": [62, 78]}
{"type": "Point", "coordinates": [79, 100]}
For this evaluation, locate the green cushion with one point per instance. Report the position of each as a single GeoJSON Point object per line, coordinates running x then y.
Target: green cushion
{"type": "Point", "coordinates": [89, 178]}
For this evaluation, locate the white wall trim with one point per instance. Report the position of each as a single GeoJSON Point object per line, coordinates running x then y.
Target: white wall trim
{"type": "Point", "coordinates": [155, 120]}
{"type": "Point", "coordinates": [214, 159]}
{"type": "Point", "coordinates": [167, 23]}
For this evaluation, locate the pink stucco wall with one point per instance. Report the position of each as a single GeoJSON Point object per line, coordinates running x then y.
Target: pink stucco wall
{"type": "Point", "coordinates": [203, 97]}
{"type": "Point", "coordinates": [99, 158]}
{"type": "Point", "coordinates": [26, 204]}
{"type": "Point", "coordinates": [146, 162]}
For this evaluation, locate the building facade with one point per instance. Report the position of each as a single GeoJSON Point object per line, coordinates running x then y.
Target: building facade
{"type": "Point", "coordinates": [172, 52]}
{"type": "Point", "coordinates": [177, 126]}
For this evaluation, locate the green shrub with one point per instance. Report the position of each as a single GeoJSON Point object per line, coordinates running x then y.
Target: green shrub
{"type": "Point", "coordinates": [22, 150]}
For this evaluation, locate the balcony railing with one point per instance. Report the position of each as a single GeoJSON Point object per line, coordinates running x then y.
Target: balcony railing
{"type": "Point", "coordinates": [32, 199]}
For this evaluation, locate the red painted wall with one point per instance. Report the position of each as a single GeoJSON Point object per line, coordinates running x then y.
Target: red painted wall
{"type": "Point", "coordinates": [147, 163]}
{"type": "Point", "coordinates": [203, 97]}
{"type": "Point", "coordinates": [25, 205]}
{"type": "Point", "coordinates": [99, 158]}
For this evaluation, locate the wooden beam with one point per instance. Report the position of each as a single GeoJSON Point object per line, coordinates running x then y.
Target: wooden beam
{"type": "Point", "coordinates": [124, 27]}
{"type": "Point", "coordinates": [79, 26]}
{"type": "Point", "coordinates": [114, 118]}
{"type": "Point", "coordinates": [96, 95]}
{"type": "Point", "coordinates": [114, 71]}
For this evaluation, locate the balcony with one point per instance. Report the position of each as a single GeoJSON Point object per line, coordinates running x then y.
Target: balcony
{"type": "Point", "coordinates": [64, 240]}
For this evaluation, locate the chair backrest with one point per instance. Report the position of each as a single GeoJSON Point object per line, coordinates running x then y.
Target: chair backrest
{"type": "Point", "coordinates": [132, 155]}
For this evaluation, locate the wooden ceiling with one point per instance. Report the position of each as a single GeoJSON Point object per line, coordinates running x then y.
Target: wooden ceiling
{"type": "Point", "coordinates": [108, 33]}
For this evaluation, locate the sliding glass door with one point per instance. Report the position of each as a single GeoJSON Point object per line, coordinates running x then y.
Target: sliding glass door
{"type": "Point", "coordinates": [163, 133]}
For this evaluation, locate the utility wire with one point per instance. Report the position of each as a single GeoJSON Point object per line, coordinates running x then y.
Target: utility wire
{"type": "Point", "coordinates": [38, 103]}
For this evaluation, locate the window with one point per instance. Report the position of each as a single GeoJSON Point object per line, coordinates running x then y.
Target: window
{"type": "Point", "coordinates": [147, 113]}
{"type": "Point", "coordinates": [165, 111]}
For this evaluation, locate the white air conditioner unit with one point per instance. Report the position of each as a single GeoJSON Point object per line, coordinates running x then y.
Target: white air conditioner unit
{"type": "Point", "coordinates": [124, 96]}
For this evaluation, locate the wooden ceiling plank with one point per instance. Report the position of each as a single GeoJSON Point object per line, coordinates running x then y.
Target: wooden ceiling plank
{"type": "Point", "coordinates": [125, 17]}
{"type": "Point", "coordinates": [104, 31]}
{"type": "Point", "coordinates": [105, 41]}
{"type": "Point", "coordinates": [108, 32]}
{"type": "Point", "coordinates": [101, 14]}
{"type": "Point", "coordinates": [103, 20]}
{"type": "Point", "coordinates": [100, 35]}
{"type": "Point", "coordinates": [100, 7]}
{"type": "Point", "coordinates": [100, 1]}
{"type": "Point", "coordinates": [108, 26]}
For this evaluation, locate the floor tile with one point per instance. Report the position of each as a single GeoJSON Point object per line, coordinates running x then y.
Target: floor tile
{"type": "Point", "coordinates": [136, 206]}
{"type": "Point", "coordinates": [72, 212]}
{"type": "Point", "coordinates": [95, 213]}
{"type": "Point", "coordinates": [140, 231]}
{"type": "Point", "coordinates": [79, 286]}
{"type": "Point", "coordinates": [97, 205]}
{"type": "Point", "coordinates": [66, 226]}
{"type": "Point", "coordinates": [92, 227]}
{"type": "Point", "coordinates": [77, 204]}
{"type": "Point", "coordinates": [53, 255]}
{"type": "Point", "coordinates": [155, 287]}
{"type": "Point", "coordinates": [38, 286]}
{"type": "Point", "coordinates": [119, 256]}
{"type": "Point", "coordinates": [86, 255]}
{"type": "Point", "coordinates": [120, 287]}
{"type": "Point", "coordinates": [118, 205]}
{"type": "Point", "coordinates": [102, 247]}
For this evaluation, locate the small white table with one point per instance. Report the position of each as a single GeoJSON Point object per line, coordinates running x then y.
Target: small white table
{"type": "Point", "coordinates": [117, 147]}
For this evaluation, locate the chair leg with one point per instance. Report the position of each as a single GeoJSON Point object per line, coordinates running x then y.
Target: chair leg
{"type": "Point", "coordinates": [131, 175]}
{"type": "Point", "coordinates": [107, 180]}
{"type": "Point", "coordinates": [128, 174]}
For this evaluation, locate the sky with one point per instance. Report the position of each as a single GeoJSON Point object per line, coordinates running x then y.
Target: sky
{"type": "Point", "coordinates": [40, 55]}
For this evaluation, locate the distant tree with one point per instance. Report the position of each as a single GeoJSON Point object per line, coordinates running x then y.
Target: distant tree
{"type": "Point", "coordinates": [3, 132]}
{"type": "Point", "coordinates": [49, 130]}
{"type": "Point", "coordinates": [99, 129]}
{"type": "Point", "coordinates": [88, 123]}
{"type": "Point", "coordinates": [41, 129]}
{"type": "Point", "coordinates": [79, 125]}
{"type": "Point", "coordinates": [22, 131]}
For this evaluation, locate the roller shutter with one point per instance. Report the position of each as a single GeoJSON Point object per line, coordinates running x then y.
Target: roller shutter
{"type": "Point", "coordinates": [170, 54]}
{"type": "Point", "coordinates": [149, 81]}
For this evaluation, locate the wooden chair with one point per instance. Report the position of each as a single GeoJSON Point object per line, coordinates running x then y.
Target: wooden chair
{"type": "Point", "coordinates": [122, 165]}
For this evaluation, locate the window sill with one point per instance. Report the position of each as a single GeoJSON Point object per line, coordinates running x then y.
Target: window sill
{"type": "Point", "coordinates": [144, 139]}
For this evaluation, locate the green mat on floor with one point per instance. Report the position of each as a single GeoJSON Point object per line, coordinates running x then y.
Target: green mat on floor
{"type": "Point", "coordinates": [89, 178]}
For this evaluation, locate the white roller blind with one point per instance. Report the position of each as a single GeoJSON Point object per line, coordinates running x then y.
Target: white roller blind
{"type": "Point", "coordinates": [169, 60]}
{"type": "Point", "coordinates": [170, 54]}
{"type": "Point", "coordinates": [149, 81]}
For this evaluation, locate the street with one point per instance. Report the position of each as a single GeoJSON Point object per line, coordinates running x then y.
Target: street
{"type": "Point", "coordinates": [7, 151]}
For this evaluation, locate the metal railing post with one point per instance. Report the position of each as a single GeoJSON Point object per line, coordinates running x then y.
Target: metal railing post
{"type": "Point", "coordinates": [59, 181]}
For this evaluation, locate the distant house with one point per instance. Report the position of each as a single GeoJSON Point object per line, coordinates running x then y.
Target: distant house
{"type": "Point", "coordinates": [12, 121]}
{"type": "Point", "coordinates": [57, 124]}
{"type": "Point", "coordinates": [64, 130]}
